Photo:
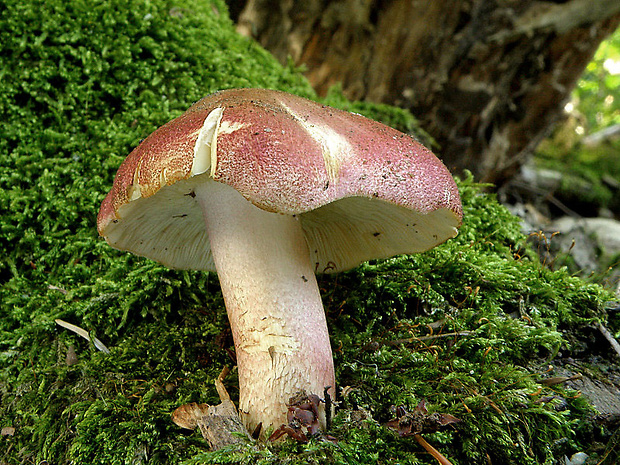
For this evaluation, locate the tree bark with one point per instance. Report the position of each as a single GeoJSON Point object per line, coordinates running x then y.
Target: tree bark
{"type": "Point", "coordinates": [486, 78]}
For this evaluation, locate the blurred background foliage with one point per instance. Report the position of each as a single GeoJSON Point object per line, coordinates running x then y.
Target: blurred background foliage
{"type": "Point", "coordinates": [587, 142]}
{"type": "Point", "coordinates": [597, 95]}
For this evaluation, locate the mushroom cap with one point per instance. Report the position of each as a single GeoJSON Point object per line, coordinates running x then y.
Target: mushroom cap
{"type": "Point", "coordinates": [361, 190]}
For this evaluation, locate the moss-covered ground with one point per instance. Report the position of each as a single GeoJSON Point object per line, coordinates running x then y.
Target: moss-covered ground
{"type": "Point", "coordinates": [81, 83]}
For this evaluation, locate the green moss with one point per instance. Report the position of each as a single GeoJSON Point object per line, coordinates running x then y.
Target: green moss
{"type": "Point", "coordinates": [82, 83]}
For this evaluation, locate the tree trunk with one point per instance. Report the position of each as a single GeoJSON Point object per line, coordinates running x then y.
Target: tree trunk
{"type": "Point", "coordinates": [486, 78]}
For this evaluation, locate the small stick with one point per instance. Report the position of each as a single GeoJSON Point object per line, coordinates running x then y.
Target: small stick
{"type": "Point", "coordinates": [82, 332]}
{"type": "Point", "coordinates": [428, 338]}
{"type": "Point", "coordinates": [219, 385]}
{"type": "Point", "coordinates": [610, 337]}
{"type": "Point", "coordinates": [431, 450]}
{"type": "Point", "coordinates": [328, 408]}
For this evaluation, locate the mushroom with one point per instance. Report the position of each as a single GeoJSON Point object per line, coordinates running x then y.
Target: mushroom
{"type": "Point", "coordinates": [267, 189]}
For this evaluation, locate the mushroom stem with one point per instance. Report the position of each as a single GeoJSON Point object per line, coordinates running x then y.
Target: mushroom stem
{"type": "Point", "coordinates": [273, 304]}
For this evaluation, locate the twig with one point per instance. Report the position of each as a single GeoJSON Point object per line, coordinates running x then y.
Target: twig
{"type": "Point", "coordinates": [219, 385]}
{"type": "Point", "coordinates": [610, 337]}
{"type": "Point", "coordinates": [328, 408]}
{"type": "Point", "coordinates": [427, 338]}
{"type": "Point", "coordinates": [82, 332]}
{"type": "Point", "coordinates": [548, 196]}
{"type": "Point", "coordinates": [560, 379]}
{"type": "Point", "coordinates": [431, 450]}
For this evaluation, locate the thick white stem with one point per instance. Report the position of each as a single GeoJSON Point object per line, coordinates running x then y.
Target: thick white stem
{"type": "Point", "coordinates": [273, 304]}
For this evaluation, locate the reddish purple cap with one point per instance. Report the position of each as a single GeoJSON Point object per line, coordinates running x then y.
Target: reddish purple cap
{"type": "Point", "coordinates": [361, 190]}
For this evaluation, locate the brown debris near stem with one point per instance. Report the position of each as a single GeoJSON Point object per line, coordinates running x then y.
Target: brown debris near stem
{"type": "Point", "coordinates": [187, 416]}
{"type": "Point", "coordinates": [408, 424]}
{"type": "Point", "coordinates": [302, 417]}
{"type": "Point", "coordinates": [219, 424]}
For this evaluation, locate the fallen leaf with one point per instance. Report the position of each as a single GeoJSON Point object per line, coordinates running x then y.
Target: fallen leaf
{"type": "Point", "coordinates": [187, 416]}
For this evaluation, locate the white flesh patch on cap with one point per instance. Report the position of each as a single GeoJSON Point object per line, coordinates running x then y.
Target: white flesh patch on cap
{"type": "Point", "coordinates": [224, 127]}
{"type": "Point", "coordinates": [205, 149]}
{"type": "Point", "coordinates": [135, 192]}
{"type": "Point", "coordinates": [334, 147]}
{"type": "Point", "coordinates": [228, 127]}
